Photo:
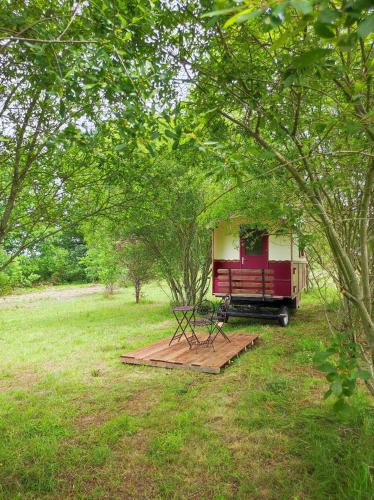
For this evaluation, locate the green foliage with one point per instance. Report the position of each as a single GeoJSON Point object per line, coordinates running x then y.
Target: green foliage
{"type": "Point", "coordinates": [56, 260]}
{"type": "Point", "coordinates": [113, 259]}
{"type": "Point", "coordinates": [52, 261]}
{"type": "Point", "coordinates": [160, 230]}
{"type": "Point", "coordinates": [325, 18]}
{"type": "Point", "coordinates": [18, 274]}
{"type": "Point", "coordinates": [102, 261]}
{"type": "Point", "coordinates": [341, 363]}
{"type": "Point", "coordinates": [139, 262]}
{"type": "Point", "coordinates": [66, 69]}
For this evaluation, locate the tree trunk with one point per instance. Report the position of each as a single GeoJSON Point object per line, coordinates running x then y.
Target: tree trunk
{"type": "Point", "coordinates": [138, 286]}
{"type": "Point", "coordinates": [109, 289]}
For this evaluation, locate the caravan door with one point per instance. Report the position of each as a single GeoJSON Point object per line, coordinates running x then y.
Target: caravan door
{"type": "Point", "coordinates": [254, 248]}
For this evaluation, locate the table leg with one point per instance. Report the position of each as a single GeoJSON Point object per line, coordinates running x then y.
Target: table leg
{"type": "Point", "coordinates": [184, 323]}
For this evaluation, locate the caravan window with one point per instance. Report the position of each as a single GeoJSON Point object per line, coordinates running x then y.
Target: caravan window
{"type": "Point", "coordinates": [252, 240]}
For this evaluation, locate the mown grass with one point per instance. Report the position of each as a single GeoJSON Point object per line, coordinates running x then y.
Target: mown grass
{"type": "Point", "coordinates": [76, 423]}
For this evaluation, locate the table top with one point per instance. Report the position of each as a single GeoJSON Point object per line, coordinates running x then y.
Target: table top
{"type": "Point", "coordinates": [183, 308]}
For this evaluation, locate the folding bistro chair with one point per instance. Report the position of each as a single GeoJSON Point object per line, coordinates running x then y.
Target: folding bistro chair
{"type": "Point", "coordinates": [207, 316]}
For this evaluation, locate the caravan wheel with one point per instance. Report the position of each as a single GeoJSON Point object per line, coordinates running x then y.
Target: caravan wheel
{"type": "Point", "coordinates": [283, 316]}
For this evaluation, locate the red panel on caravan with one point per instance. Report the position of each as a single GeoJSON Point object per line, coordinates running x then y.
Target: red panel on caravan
{"type": "Point", "coordinates": [222, 264]}
{"type": "Point", "coordinates": [282, 277]}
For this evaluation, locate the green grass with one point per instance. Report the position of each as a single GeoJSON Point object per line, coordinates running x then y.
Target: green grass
{"type": "Point", "coordinates": [76, 423]}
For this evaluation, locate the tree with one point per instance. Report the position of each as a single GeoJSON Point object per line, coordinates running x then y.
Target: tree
{"type": "Point", "coordinates": [168, 195]}
{"type": "Point", "coordinates": [102, 260]}
{"type": "Point", "coordinates": [166, 222]}
{"type": "Point", "coordinates": [138, 263]}
{"type": "Point", "coordinates": [295, 78]}
{"type": "Point", "coordinates": [66, 68]}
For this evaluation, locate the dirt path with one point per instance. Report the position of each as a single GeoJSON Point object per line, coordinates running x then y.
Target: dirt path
{"type": "Point", "coordinates": [58, 293]}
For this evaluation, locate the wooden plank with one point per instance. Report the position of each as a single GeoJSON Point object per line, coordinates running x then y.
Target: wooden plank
{"type": "Point", "coordinates": [247, 290]}
{"type": "Point", "coordinates": [171, 354]}
{"type": "Point", "coordinates": [249, 278]}
{"type": "Point", "coordinates": [245, 276]}
{"type": "Point", "coordinates": [251, 273]}
{"type": "Point", "coordinates": [200, 356]}
{"type": "Point", "coordinates": [180, 356]}
{"type": "Point", "coordinates": [251, 291]}
{"type": "Point", "coordinates": [236, 350]}
{"type": "Point", "coordinates": [245, 284]}
{"type": "Point", "coordinates": [224, 294]}
{"type": "Point", "coordinates": [245, 279]}
{"type": "Point", "coordinates": [166, 364]}
{"type": "Point", "coordinates": [149, 348]}
{"type": "Point", "coordinates": [224, 352]}
{"type": "Point", "coordinates": [246, 293]}
{"type": "Point", "coordinates": [157, 348]}
{"type": "Point", "coordinates": [258, 286]}
{"type": "Point", "coordinates": [161, 351]}
{"type": "Point", "coordinates": [245, 271]}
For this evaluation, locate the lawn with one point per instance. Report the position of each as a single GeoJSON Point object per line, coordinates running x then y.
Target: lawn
{"type": "Point", "coordinates": [76, 423]}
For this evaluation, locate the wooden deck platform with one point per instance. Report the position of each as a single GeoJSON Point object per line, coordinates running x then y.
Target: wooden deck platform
{"type": "Point", "coordinates": [179, 356]}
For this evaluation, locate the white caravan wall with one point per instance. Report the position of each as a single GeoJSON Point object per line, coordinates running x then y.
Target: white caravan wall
{"type": "Point", "coordinates": [226, 241]}
{"type": "Point", "coordinates": [280, 247]}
